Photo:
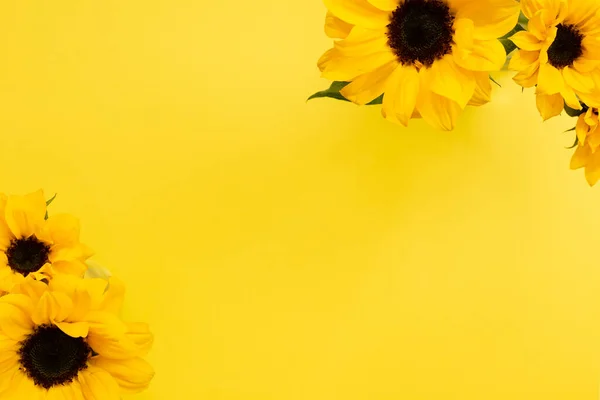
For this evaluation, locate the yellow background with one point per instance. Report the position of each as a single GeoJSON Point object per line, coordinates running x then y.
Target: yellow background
{"type": "Point", "coordinates": [291, 251]}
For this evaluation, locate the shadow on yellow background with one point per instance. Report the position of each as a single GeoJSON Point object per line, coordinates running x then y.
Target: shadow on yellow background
{"type": "Point", "coordinates": [291, 251]}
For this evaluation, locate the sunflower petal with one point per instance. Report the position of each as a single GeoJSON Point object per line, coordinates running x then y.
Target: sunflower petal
{"type": "Point", "coordinates": [358, 12]}
{"type": "Point", "coordinates": [400, 98]}
{"type": "Point", "coordinates": [97, 384]}
{"type": "Point", "coordinates": [25, 214]}
{"type": "Point", "coordinates": [133, 375]}
{"type": "Point", "coordinates": [335, 28]}
{"type": "Point", "coordinates": [550, 80]}
{"type": "Point", "coordinates": [451, 81]}
{"type": "Point", "coordinates": [492, 18]}
{"type": "Point", "coordinates": [369, 86]}
{"type": "Point", "coordinates": [580, 157]}
{"type": "Point", "coordinates": [549, 105]}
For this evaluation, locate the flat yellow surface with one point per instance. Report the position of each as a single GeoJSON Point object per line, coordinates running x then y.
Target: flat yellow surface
{"type": "Point", "coordinates": [292, 251]}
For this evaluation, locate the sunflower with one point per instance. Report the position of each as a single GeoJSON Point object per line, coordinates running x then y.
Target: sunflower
{"type": "Point", "coordinates": [30, 244]}
{"type": "Point", "coordinates": [64, 341]}
{"type": "Point", "coordinates": [586, 154]}
{"type": "Point", "coordinates": [560, 53]}
{"type": "Point", "coordinates": [429, 58]}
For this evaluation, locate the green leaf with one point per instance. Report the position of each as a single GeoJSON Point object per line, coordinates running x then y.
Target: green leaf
{"type": "Point", "coordinates": [334, 93]}
{"type": "Point", "coordinates": [571, 112]}
{"type": "Point", "coordinates": [509, 46]}
{"type": "Point", "coordinates": [48, 202]}
{"type": "Point", "coordinates": [378, 100]}
{"type": "Point", "coordinates": [523, 21]}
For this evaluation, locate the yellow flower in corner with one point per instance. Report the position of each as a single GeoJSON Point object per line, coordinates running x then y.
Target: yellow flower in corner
{"type": "Point", "coordinates": [560, 53]}
{"type": "Point", "coordinates": [30, 244]}
{"type": "Point", "coordinates": [63, 340]}
{"type": "Point", "coordinates": [429, 58]}
{"type": "Point", "coordinates": [586, 154]}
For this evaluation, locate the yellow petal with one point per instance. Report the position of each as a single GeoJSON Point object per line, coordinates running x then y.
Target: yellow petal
{"type": "Point", "coordinates": [15, 320]}
{"type": "Point", "coordinates": [550, 80]}
{"type": "Point", "coordinates": [97, 384]}
{"type": "Point", "coordinates": [486, 55]}
{"type": "Point", "coordinates": [526, 41]}
{"type": "Point", "coordinates": [25, 214]}
{"type": "Point", "coordinates": [570, 98]}
{"type": "Point", "coordinates": [580, 157]}
{"type": "Point", "coordinates": [385, 5]}
{"type": "Point", "coordinates": [335, 28]}
{"type": "Point", "coordinates": [523, 59]}
{"type": "Point", "coordinates": [347, 68]}
{"type": "Point", "coordinates": [451, 81]}
{"type": "Point", "coordinates": [492, 18]}
{"type": "Point", "coordinates": [133, 375]}
{"type": "Point", "coordinates": [400, 96]}
{"type": "Point", "coordinates": [529, 76]}
{"type": "Point", "coordinates": [576, 80]}
{"type": "Point", "coordinates": [549, 105]}
{"type": "Point", "coordinates": [362, 42]}
{"type": "Point", "coordinates": [537, 25]}
{"type": "Point", "coordinates": [21, 387]}
{"type": "Point", "coordinates": [60, 229]}
{"type": "Point", "coordinates": [74, 329]}
{"type": "Point", "coordinates": [325, 59]}
{"type": "Point", "coordinates": [53, 306]}
{"type": "Point", "coordinates": [5, 234]}
{"type": "Point", "coordinates": [139, 332]}
{"type": "Point", "coordinates": [437, 110]}
{"type": "Point", "coordinates": [581, 129]}
{"type": "Point", "coordinates": [358, 12]}
{"type": "Point", "coordinates": [113, 298]}
{"type": "Point", "coordinates": [106, 325]}
{"type": "Point", "coordinates": [592, 169]}
{"type": "Point", "coordinates": [483, 89]}
{"type": "Point", "coordinates": [369, 86]}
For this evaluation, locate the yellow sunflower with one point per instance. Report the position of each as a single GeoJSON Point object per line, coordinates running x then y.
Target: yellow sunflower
{"type": "Point", "coordinates": [30, 244]}
{"type": "Point", "coordinates": [560, 53]}
{"type": "Point", "coordinates": [429, 58]}
{"type": "Point", "coordinates": [64, 341]}
{"type": "Point", "coordinates": [586, 154]}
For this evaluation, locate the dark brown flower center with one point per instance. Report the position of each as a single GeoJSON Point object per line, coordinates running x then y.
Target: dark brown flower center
{"type": "Point", "coordinates": [27, 255]}
{"type": "Point", "coordinates": [566, 47]}
{"type": "Point", "coordinates": [50, 357]}
{"type": "Point", "coordinates": [421, 31]}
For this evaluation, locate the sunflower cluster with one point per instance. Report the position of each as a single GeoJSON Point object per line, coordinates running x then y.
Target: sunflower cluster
{"type": "Point", "coordinates": [431, 59]}
{"type": "Point", "coordinates": [61, 336]}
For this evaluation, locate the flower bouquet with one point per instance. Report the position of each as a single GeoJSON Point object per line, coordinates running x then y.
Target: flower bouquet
{"type": "Point", "coordinates": [61, 336]}
{"type": "Point", "coordinates": [431, 59]}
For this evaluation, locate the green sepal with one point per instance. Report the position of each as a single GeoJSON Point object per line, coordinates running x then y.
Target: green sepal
{"type": "Point", "coordinates": [523, 20]}
{"type": "Point", "coordinates": [571, 112]}
{"type": "Point", "coordinates": [574, 144]}
{"type": "Point", "coordinates": [509, 46]}
{"type": "Point", "coordinates": [48, 202]}
{"type": "Point", "coordinates": [333, 92]}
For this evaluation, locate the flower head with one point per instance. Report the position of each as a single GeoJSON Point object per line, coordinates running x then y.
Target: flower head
{"type": "Point", "coordinates": [64, 340]}
{"type": "Point", "coordinates": [429, 58]}
{"type": "Point", "coordinates": [559, 53]}
{"type": "Point", "coordinates": [30, 244]}
{"type": "Point", "coordinates": [586, 154]}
